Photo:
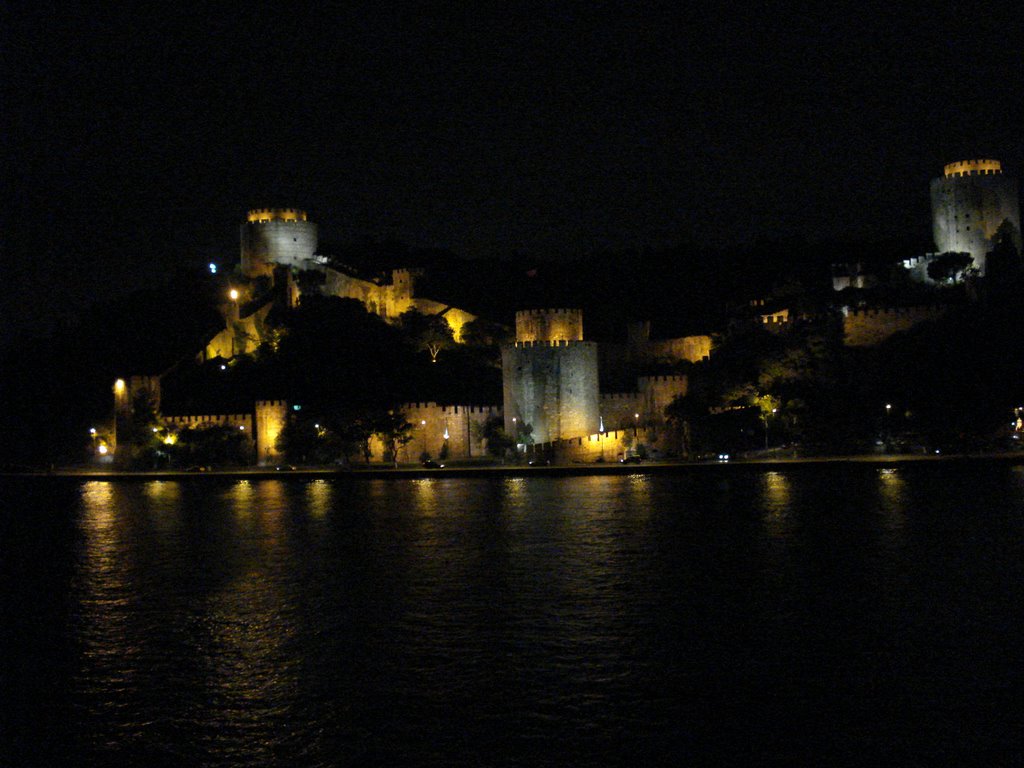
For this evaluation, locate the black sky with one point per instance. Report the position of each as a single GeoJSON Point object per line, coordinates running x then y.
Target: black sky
{"type": "Point", "coordinates": [136, 141]}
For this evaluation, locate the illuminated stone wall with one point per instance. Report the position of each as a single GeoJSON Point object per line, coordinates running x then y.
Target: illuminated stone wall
{"type": "Point", "coordinates": [549, 325]}
{"type": "Point", "coordinates": [389, 301]}
{"type": "Point", "coordinates": [867, 327]}
{"type": "Point", "coordinates": [271, 417]}
{"type": "Point", "coordinates": [276, 235]}
{"type": "Point", "coordinates": [969, 203]}
{"type": "Point", "coordinates": [640, 348]}
{"type": "Point", "coordinates": [551, 386]}
{"type": "Point", "coordinates": [463, 425]}
{"type": "Point", "coordinates": [587, 449]}
{"type": "Point", "coordinates": [656, 393]}
{"type": "Point", "coordinates": [620, 409]}
{"type": "Point", "coordinates": [240, 336]}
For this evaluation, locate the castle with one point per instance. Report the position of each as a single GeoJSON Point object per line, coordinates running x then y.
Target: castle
{"type": "Point", "coordinates": [551, 403]}
{"type": "Point", "coordinates": [550, 374]}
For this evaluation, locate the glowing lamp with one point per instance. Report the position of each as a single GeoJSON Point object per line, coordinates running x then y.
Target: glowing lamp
{"type": "Point", "coordinates": [233, 294]}
{"type": "Point", "coordinates": [102, 449]}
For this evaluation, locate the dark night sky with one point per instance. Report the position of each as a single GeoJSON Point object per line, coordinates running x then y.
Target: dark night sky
{"type": "Point", "coordinates": [137, 142]}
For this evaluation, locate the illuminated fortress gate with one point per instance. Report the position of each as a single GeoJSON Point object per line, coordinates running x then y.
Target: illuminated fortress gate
{"type": "Point", "coordinates": [970, 202]}
{"type": "Point", "coordinates": [276, 236]}
{"type": "Point", "coordinates": [550, 377]}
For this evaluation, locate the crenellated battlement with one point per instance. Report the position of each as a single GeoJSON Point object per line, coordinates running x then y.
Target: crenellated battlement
{"type": "Point", "coordinates": [558, 343]}
{"type": "Point", "coordinates": [549, 324]}
{"type": "Point", "coordinates": [271, 403]}
{"type": "Point", "coordinates": [867, 326]}
{"type": "Point", "coordinates": [613, 397]}
{"type": "Point", "coordinates": [209, 420]}
{"type": "Point", "coordinates": [667, 379]}
{"type": "Point", "coordinates": [548, 312]}
{"type": "Point", "coordinates": [261, 215]}
{"type": "Point", "coordinates": [921, 310]}
{"type": "Point", "coordinates": [972, 168]}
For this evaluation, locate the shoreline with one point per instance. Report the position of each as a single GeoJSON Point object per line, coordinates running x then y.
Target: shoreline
{"type": "Point", "coordinates": [519, 470]}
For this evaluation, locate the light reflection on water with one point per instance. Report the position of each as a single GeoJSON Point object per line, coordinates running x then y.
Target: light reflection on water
{"type": "Point", "coordinates": [443, 620]}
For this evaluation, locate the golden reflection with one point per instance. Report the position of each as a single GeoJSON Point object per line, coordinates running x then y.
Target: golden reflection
{"type": "Point", "coordinates": [162, 492]}
{"type": "Point", "coordinates": [319, 495]}
{"type": "Point", "coordinates": [892, 490]}
{"type": "Point", "coordinates": [515, 491]}
{"type": "Point", "coordinates": [252, 618]}
{"type": "Point", "coordinates": [242, 495]}
{"type": "Point", "coordinates": [425, 490]}
{"type": "Point", "coordinates": [778, 510]}
{"type": "Point", "coordinates": [107, 591]}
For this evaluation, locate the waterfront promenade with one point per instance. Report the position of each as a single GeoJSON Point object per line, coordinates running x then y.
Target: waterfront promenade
{"type": "Point", "coordinates": [380, 471]}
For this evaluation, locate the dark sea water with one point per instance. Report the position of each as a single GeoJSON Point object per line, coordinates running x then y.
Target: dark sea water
{"type": "Point", "coordinates": [842, 615]}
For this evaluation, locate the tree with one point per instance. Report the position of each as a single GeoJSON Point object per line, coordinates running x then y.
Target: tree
{"type": "Point", "coordinates": [394, 431]}
{"type": "Point", "coordinates": [949, 267]}
{"type": "Point", "coordinates": [429, 333]}
{"type": "Point", "coordinates": [498, 440]}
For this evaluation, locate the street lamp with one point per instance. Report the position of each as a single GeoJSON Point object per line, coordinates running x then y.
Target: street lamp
{"type": "Point", "coordinates": [636, 423]}
{"type": "Point", "coordinates": [423, 425]}
{"type": "Point", "coordinates": [774, 410]}
{"type": "Point", "coordinates": [233, 294]}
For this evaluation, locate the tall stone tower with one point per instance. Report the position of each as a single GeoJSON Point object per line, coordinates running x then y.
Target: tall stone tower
{"type": "Point", "coordinates": [970, 202]}
{"type": "Point", "coordinates": [271, 417]}
{"type": "Point", "coordinates": [276, 236]}
{"type": "Point", "coordinates": [550, 376]}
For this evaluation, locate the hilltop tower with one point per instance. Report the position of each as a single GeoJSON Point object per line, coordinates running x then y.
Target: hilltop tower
{"type": "Point", "coordinates": [276, 236]}
{"type": "Point", "coordinates": [549, 376]}
{"type": "Point", "coordinates": [970, 202]}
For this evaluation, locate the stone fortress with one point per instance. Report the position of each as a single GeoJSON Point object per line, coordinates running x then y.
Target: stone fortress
{"type": "Point", "coordinates": [551, 405]}
{"type": "Point", "coordinates": [970, 202]}
{"type": "Point", "coordinates": [550, 374]}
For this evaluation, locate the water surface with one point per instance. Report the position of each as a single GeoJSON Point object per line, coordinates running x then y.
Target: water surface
{"type": "Point", "coordinates": [843, 615]}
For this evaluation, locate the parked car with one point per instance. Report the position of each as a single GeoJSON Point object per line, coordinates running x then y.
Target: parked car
{"type": "Point", "coordinates": [431, 464]}
{"type": "Point", "coordinates": [630, 460]}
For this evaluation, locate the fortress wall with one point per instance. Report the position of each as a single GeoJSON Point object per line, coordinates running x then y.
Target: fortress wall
{"type": "Point", "coordinates": [345, 286]}
{"type": "Point", "coordinates": [549, 325]}
{"type": "Point", "coordinates": [455, 317]}
{"type": "Point", "coordinates": [587, 449]}
{"type": "Point", "coordinates": [552, 387]}
{"type": "Point", "coordinates": [239, 337]}
{"type": "Point", "coordinates": [201, 421]}
{"type": "Point", "coordinates": [463, 423]}
{"type": "Point", "coordinates": [657, 392]}
{"type": "Point", "coordinates": [868, 327]}
{"type": "Point", "coordinates": [691, 348]}
{"type": "Point", "coordinates": [619, 409]}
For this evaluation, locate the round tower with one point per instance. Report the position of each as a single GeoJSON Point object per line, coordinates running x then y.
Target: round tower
{"type": "Point", "coordinates": [276, 236]}
{"type": "Point", "coordinates": [549, 377]}
{"type": "Point", "coordinates": [970, 202]}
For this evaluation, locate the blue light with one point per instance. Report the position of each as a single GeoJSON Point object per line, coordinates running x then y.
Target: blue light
{"type": "Point", "coordinates": [213, 268]}
{"type": "Point", "coordinates": [296, 407]}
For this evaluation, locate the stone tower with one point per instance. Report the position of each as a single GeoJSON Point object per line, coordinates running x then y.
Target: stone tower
{"type": "Point", "coordinates": [550, 376]}
{"type": "Point", "coordinates": [271, 416]}
{"type": "Point", "coordinates": [970, 202]}
{"type": "Point", "coordinates": [276, 236]}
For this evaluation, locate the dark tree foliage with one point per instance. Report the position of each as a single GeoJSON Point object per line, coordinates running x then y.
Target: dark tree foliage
{"type": "Point", "coordinates": [949, 267]}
